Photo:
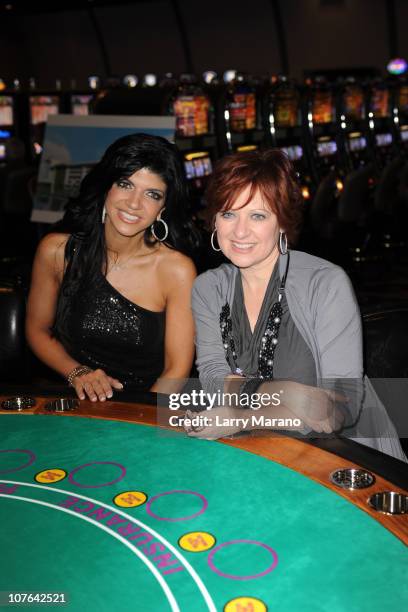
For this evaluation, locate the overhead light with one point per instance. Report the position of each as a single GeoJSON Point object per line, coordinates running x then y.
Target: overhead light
{"type": "Point", "coordinates": [150, 80]}
{"type": "Point", "coordinates": [209, 76]}
{"type": "Point", "coordinates": [94, 82]}
{"type": "Point", "coordinates": [397, 65]}
{"type": "Point", "coordinates": [130, 80]}
{"type": "Point", "coordinates": [229, 75]}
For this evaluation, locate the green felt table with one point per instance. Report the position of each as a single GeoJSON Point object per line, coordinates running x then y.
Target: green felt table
{"type": "Point", "coordinates": [128, 516]}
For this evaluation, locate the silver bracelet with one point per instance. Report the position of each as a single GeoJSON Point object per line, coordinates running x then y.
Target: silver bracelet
{"type": "Point", "coordinates": [77, 371]}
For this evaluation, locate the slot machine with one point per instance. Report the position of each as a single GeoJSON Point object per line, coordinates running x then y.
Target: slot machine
{"type": "Point", "coordinates": [13, 119]}
{"type": "Point", "coordinates": [389, 127]}
{"type": "Point", "coordinates": [241, 116]}
{"type": "Point", "coordinates": [42, 104]}
{"type": "Point", "coordinates": [353, 125]}
{"type": "Point", "coordinates": [195, 136]}
{"type": "Point", "coordinates": [380, 123]}
{"type": "Point", "coordinates": [79, 102]}
{"type": "Point", "coordinates": [285, 130]}
{"type": "Point", "coordinates": [323, 133]}
{"type": "Point", "coordinates": [320, 117]}
{"type": "Point", "coordinates": [6, 123]}
{"type": "Point", "coordinates": [401, 114]}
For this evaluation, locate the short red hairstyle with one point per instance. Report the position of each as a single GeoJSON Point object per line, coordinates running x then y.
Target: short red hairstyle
{"type": "Point", "coordinates": [268, 171]}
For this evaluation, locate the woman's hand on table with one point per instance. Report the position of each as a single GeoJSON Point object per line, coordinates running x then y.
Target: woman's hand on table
{"type": "Point", "coordinates": [211, 430]}
{"type": "Point", "coordinates": [96, 385]}
{"type": "Point", "coordinates": [317, 409]}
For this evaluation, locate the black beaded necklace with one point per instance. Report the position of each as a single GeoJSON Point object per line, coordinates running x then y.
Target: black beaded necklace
{"type": "Point", "coordinates": [269, 339]}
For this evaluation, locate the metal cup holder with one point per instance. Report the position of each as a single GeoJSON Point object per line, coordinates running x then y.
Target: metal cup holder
{"type": "Point", "coordinates": [18, 403]}
{"type": "Point", "coordinates": [389, 502]}
{"type": "Point", "coordinates": [352, 478]}
{"type": "Point", "coordinates": [62, 404]}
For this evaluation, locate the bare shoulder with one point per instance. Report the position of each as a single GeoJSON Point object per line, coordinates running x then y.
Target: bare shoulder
{"type": "Point", "coordinates": [51, 250]}
{"type": "Point", "coordinates": [51, 244]}
{"type": "Point", "coordinates": [176, 267]}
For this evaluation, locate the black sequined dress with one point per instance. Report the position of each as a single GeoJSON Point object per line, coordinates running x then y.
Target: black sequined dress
{"type": "Point", "coordinates": [106, 330]}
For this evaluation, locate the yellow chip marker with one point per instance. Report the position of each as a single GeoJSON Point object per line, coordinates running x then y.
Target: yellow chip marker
{"type": "Point", "coordinates": [130, 499]}
{"type": "Point", "coordinates": [50, 476]}
{"type": "Point", "coordinates": [245, 604]}
{"type": "Point", "coordinates": [196, 541]}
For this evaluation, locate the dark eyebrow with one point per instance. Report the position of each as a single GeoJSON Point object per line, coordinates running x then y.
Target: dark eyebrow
{"type": "Point", "coordinates": [124, 178]}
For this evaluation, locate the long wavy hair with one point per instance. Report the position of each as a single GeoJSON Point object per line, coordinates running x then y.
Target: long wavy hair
{"type": "Point", "coordinates": [85, 250]}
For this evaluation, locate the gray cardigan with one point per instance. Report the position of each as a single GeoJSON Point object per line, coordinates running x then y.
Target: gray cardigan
{"type": "Point", "coordinates": [323, 307]}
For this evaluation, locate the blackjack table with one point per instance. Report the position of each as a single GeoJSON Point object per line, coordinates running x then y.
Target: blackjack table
{"type": "Point", "coordinates": [103, 509]}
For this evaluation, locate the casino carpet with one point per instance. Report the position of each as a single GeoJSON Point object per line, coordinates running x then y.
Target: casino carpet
{"type": "Point", "coordinates": [110, 533]}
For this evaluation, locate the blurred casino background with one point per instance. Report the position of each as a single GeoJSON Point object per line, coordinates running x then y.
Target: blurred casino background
{"type": "Point", "coordinates": [324, 80]}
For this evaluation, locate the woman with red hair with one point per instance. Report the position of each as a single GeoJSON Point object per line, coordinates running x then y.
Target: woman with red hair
{"type": "Point", "coordinates": [276, 321]}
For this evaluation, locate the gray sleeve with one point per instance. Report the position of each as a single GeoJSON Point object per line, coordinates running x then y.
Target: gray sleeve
{"type": "Point", "coordinates": [339, 337]}
{"type": "Point", "coordinates": [211, 362]}
{"type": "Point", "coordinates": [338, 328]}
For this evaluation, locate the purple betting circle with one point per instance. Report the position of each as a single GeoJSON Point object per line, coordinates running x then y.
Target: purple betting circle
{"type": "Point", "coordinates": [31, 460]}
{"type": "Point", "coordinates": [104, 484]}
{"type": "Point", "coordinates": [251, 577]}
{"type": "Point", "coordinates": [181, 518]}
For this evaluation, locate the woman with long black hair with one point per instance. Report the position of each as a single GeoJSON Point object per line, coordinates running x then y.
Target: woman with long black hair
{"type": "Point", "coordinates": [109, 305]}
